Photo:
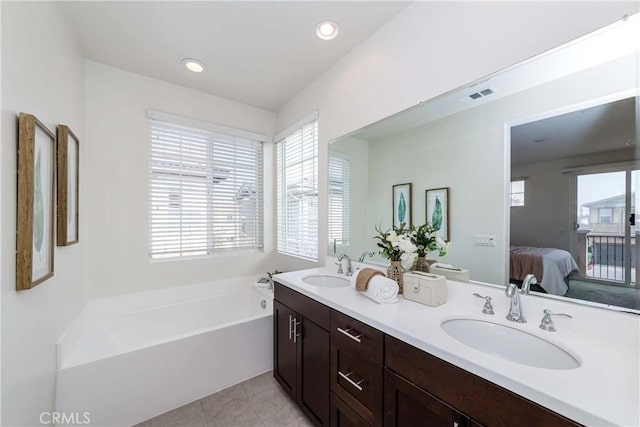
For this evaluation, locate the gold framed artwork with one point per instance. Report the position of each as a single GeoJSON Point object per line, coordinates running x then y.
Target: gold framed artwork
{"type": "Point", "coordinates": [68, 186]}
{"type": "Point", "coordinates": [437, 209]}
{"type": "Point", "coordinates": [36, 203]}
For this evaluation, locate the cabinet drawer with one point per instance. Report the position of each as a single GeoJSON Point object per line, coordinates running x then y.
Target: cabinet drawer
{"type": "Point", "coordinates": [343, 416]}
{"type": "Point", "coordinates": [361, 337]}
{"type": "Point", "coordinates": [358, 381]}
{"type": "Point", "coordinates": [318, 313]}
{"type": "Point", "coordinates": [470, 394]}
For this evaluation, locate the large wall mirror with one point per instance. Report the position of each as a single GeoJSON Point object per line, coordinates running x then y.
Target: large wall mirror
{"type": "Point", "coordinates": [541, 165]}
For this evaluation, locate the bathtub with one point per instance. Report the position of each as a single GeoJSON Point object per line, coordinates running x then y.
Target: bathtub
{"type": "Point", "coordinates": [130, 358]}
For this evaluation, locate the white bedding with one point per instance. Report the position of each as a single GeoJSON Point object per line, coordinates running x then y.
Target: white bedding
{"type": "Point", "coordinates": [557, 264]}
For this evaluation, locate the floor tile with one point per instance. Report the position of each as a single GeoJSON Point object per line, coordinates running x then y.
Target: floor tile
{"type": "Point", "coordinates": [258, 402]}
{"type": "Point", "coordinates": [256, 385]}
{"type": "Point", "coordinates": [188, 415]}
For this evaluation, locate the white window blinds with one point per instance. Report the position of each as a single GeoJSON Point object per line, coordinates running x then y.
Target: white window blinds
{"type": "Point", "coordinates": [205, 191]}
{"type": "Point", "coordinates": [297, 192]}
{"type": "Point", "coordinates": [339, 197]}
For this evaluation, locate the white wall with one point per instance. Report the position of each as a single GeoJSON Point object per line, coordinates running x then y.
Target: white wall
{"type": "Point", "coordinates": [428, 49]}
{"type": "Point", "coordinates": [117, 126]}
{"type": "Point", "coordinates": [42, 74]}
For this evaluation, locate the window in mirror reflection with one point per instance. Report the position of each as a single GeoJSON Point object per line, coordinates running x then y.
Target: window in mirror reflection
{"type": "Point", "coordinates": [517, 192]}
{"type": "Point", "coordinates": [339, 196]}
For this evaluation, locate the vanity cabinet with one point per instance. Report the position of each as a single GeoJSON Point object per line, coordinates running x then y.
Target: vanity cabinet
{"type": "Point", "coordinates": [343, 372]}
{"type": "Point", "coordinates": [483, 402]}
{"type": "Point", "coordinates": [357, 353]}
{"type": "Point", "coordinates": [408, 405]}
{"type": "Point", "coordinates": [301, 345]}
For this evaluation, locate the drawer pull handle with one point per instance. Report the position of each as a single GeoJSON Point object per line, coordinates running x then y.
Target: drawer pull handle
{"type": "Point", "coordinates": [356, 338]}
{"type": "Point", "coordinates": [289, 327]}
{"type": "Point", "coordinates": [296, 333]}
{"type": "Point", "coordinates": [352, 382]}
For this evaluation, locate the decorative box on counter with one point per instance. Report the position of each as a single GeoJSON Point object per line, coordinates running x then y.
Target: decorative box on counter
{"type": "Point", "coordinates": [450, 272]}
{"type": "Point", "coordinates": [425, 288]}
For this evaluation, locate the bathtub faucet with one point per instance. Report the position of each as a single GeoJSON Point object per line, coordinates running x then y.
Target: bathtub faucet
{"type": "Point", "coordinates": [267, 279]}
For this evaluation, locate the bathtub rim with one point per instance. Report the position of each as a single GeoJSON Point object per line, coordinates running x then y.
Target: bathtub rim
{"type": "Point", "coordinates": [89, 313]}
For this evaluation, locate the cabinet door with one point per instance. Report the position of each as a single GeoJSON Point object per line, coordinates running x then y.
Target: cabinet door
{"type": "Point", "coordinates": [408, 405]}
{"type": "Point", "coordinates": [313, 365]}
{"type": "Point", "coordinates": [284, 348]}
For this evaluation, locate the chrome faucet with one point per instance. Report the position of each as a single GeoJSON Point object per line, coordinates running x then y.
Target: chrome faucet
{"type": "Point", "coordinates": [515, 309]}
{"type": "Point", "coordinates": [547, 323]}
{"type": "Point", "coordinates": [364, 255]}
{"type": "Point", "coordinates": [349, 271]}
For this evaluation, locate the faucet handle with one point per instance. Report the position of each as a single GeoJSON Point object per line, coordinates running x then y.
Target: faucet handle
{"type": "Point", "coordinates": [547, 323]}
{"type": "Point", "coordinates": [339, 264]}
{"type": "Point", "coordinates": [487, 308]}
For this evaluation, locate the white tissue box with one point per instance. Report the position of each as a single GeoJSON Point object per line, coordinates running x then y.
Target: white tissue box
{"type": "Point", "coordinates": [449, 272]}
{"type": "Point", "coordinates": [425, 288]}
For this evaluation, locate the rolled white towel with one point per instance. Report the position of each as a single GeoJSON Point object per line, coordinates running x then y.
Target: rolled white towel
{"type": "Point", "coordinates": [380, 289]}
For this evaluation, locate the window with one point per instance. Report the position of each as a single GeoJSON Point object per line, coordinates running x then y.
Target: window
{"type": "Point", "coordinates": [205, 190]}
{"type": "Point", "coordinates": [297, 192]}
{"type": "Point", "coordinates": [605, 215]}
{"type": "Point", "coordinates": [339, 199]}
{"type": "Point", "coordinates": [517, 193]}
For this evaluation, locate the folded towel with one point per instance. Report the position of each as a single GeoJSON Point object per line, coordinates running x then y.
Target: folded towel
{"type": "Point", "coordinates": [363, 276]}
{"type": "Point", "coordinates": [380, 288]}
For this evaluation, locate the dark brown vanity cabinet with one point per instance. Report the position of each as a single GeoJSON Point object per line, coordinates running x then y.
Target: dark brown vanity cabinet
{"type": "Point", "coordinates": [301, 347]}
{"type": "Point", "coordinates": [343, 372]}
{"type": "Point", "coordinates": [408, 405]}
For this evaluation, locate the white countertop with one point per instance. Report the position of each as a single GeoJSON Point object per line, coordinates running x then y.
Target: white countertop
{"type": "Point", "coordinates": [603, 391]}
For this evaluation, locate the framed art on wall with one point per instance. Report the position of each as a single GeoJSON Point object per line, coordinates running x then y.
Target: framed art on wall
{"type": "Point", "coordinates": [35, 209]}
{"type": "Point", "coordinates": [68, 183]}
{"type": "Point", "coordinates": [402, 204]}
{"type": "Point", "coordinates": [437, 209]}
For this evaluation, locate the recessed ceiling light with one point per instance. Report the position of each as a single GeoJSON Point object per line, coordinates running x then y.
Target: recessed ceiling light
{"type": "Point", "coordinates": [194, 65]}
{"type": "Point", "coordinates": [327, 30]}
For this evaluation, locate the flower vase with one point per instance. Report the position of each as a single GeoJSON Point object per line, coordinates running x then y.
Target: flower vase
{"type": "Point", "coordinates": [422, 264]}
{"type": "Point", "coordinates": [395, 272]}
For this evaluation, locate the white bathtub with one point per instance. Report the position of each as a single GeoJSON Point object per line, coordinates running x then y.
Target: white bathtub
{"type": "Point", "coordinates": [129, 358]}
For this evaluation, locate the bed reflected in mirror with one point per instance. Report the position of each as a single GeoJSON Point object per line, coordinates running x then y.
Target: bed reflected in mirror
{"type": "Point", "coordinates": [573, 203]}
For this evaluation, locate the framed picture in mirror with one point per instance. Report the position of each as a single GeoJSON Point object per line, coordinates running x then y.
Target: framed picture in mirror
{"type": "Point", "coordinates": [68, 184]}
{"type": "Point", "coordinates": [35, 204]}
{"type": "Point", "coordinates": [402, 204]}
{"type": "Point", "coordinates": [437, 209]}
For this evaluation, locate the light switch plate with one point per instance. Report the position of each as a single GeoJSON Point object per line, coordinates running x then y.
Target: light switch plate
{"type": "Point", "coordinates": [484, 240]}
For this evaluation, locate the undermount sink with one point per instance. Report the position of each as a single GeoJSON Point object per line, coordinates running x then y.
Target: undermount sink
{"type": "Point", "coordinates": [509, 343]}
{"type": "Point", "coordinates": [326, 281]}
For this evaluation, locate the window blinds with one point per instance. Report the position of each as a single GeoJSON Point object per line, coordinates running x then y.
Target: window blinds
{"type": "Point", "coordinates": [339, 199]}
{"type": "Point", "coordinates": [297, 192]}
{"type": "Point", "coordinates": [205, 191]}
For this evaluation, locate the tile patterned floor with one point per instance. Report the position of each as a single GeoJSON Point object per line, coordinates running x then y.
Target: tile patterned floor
{"type": "Point", "coordinates": [258, 402]}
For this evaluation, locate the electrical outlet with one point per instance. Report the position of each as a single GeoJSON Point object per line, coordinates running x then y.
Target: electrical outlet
{"type": "Point", "coordinates": [484, 240]}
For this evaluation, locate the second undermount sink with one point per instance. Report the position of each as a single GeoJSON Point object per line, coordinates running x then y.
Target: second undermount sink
{"type": "Point", "coordinates": [326, 281]}
{"type": "Point", "coordinates": [510, 343]}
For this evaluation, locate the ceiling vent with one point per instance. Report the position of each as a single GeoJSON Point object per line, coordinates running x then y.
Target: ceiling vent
{"type": "Point", "coordinates": [481, 93]}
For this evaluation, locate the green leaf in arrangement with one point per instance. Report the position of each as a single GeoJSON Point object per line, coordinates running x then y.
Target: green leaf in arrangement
{"type": "Point", "coordinates": [436, 218]}
{"type": "Point", "coordinates": [402, 208]}
{"type": "Point", "coordinates": [38, 207]}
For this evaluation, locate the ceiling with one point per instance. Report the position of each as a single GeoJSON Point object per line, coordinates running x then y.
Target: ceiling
{"type": "Point", "coordinates": [257, 53]}
{"type": "Point", "coordinates": [606, 127]}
